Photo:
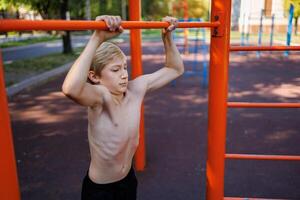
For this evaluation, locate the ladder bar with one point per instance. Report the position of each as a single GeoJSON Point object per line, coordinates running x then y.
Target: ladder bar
{"type": "Point", "coordinates": [245, 198]}
{"type": "Point", "coordinates": [22, 25]}
{"type": "Point", "coordinates": [264, 48]}
{"type": "Point", "coordinates": [262, 105]}
{"type": "Point", "coordinates": [262, 157]}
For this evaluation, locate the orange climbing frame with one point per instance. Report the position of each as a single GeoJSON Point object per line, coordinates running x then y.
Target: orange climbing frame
{"type": "Point", "coordinates": [9, 188]}
{"type": "Point", "coordinates": [217, 111]}
{"type": "Point", "coordinates": [218, 88]}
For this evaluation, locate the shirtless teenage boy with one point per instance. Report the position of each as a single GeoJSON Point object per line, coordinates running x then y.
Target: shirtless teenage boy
{"type": "Point", "coordinates": [99, 80]}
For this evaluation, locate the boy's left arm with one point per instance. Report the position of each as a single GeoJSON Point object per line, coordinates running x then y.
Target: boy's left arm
{"type": "Point", "coordinates": [174, 65]}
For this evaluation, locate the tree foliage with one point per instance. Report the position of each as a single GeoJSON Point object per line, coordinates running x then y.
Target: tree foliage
{"type": "Point", "coordinates": [156, 9]}
{"type": "Point", "coordinates": [296, 4]}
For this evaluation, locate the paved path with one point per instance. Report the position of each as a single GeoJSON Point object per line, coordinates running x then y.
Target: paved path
{"type": "Point", "coordinates": [52, 150]}
{"type": "Point", "coordinates": [39, 49]}
{"type": "Point", "coordinates": [43, 48]}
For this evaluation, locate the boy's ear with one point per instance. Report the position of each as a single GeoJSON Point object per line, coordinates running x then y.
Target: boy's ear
{"type": "Point", "coordinates": [95, 79]}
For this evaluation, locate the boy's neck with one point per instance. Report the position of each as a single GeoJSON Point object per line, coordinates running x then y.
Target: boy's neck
{"type": "Point", "coordinates": [118, 98]}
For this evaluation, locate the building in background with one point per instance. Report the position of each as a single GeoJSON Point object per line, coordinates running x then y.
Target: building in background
{"type": "Point", "coordinates": [246, 15]}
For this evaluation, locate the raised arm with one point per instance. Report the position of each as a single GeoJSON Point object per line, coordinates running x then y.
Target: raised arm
{"type": "Point", "coordinates": [173, 65]}
{"type": "Point", "coordinates": [75, 85]}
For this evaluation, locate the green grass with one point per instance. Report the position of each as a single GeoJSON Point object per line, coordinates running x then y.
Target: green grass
{"type": "Point", "coordinates": [29, 41]}
{"type": "Point", "coordinates": [19, 70]}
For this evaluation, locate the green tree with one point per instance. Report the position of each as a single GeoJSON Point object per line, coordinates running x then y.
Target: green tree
{"type": "Point", "coordinates": [51, 9]}
{"type": "Point", "coordinates": [110, 7]}
{"type": "Point", "coordinates": [296, 4]}
{"type": "Point", "coordinates": [198, 8]}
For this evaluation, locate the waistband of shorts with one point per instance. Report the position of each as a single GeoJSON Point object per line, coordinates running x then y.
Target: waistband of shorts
{"type": "Point", "coordinates": [130, 174]}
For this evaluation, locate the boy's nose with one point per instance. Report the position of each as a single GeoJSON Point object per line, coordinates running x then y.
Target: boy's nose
{"type": "Point", "coordinates": [124, 75]}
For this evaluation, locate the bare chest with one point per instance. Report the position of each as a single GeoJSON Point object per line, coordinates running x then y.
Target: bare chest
{"type": "Point", "coordinates": [127, 116]}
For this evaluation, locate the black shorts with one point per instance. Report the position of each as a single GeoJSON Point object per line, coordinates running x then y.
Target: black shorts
{"type": "Point", "coordinates": [124, 189]}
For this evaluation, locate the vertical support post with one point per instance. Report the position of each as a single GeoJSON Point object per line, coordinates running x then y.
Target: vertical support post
{"type": "Point", "coordinates": [217, 105]}
{"type": "Point", "coordinates": [248, 29]}
{"type": "Point", "coordinates": [260, 32]}
{"type": "Point", "coordinates": [272, 30]}
{"type": "Point", "coordinates": [243, 30]}
{"type": "Point", "coordinates": [289, 29]}
{"type": "Point", "coordinates": [9, 186]}
{"type": "Point", "coordinates": [136, 63]}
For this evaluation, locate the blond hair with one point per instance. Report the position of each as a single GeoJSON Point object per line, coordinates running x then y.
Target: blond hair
{"type": "Point", "coordinates": [104, 54]}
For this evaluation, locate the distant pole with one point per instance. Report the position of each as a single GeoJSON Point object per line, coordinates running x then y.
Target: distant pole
{"type": "Point", "coordinates": [272, 30]}
{"type": "Point", "coordinates": [248, 29]}
{"type": "Point", "coordinates": [87, 10]}
{"type": "Point", "coordinates": [123, 2]}
{"type": "Point", "coordinates": [260, 32]}
{"type": "Point", "coordinates": [243, 30]}
{"type": "Point", "coordinates": [289, 29]}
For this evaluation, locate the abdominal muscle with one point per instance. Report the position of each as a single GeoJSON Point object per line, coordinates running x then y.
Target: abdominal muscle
{"type": "Point", "coordinates": [107, 167]}
{"type": "Point", "coordinates": [112, 150]}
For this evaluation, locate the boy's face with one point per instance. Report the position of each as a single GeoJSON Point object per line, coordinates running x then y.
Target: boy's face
{"type": "Point", "coordinates": [114, 76]}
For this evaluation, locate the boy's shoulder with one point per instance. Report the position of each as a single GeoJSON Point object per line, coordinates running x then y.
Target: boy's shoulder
{"type": "Point", "coordinates": [138, 86]}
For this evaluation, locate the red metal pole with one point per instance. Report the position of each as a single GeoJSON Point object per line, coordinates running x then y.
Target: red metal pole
{"type": "Point", "coordinates": [217, 110]}
{"type": "Point", "coordinates": [262, 157]}
{"type": "Point", "coordinates": [262, 105]}
{"type": "Point", "coordinates": [9, 185]}
{"type": "Point", "coordinates": [23, 25]}
{"type": "Point", "coordinates": [136, 60]}
{"type": "Point", "coordinates": [265, 48]}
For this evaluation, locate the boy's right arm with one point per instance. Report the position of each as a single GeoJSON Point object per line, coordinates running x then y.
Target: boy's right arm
{"type": "Point", "coordinates": [75, 85]}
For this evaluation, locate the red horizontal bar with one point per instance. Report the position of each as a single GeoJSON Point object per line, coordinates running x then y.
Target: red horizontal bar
{"type": "Point", "coordinates": [265, 48]}
{"type": "Point", "coordinates": [22, 25]}
{"type": "Point", "coordinates": [262, 105]}
{"type": "Point", "coordinates": [261, 157]}
{"type": "Point", "coordinates": [241, 198]}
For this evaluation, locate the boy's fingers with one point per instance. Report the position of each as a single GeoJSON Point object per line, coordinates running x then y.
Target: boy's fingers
{"type": "Point", "coordinates": [119, 20]}
{"type": "Point", "coordinates": [172, 21]}
{"type": "Point", "coordinates": [171, 27]}
{"type": "Point", "coordinates": [99, 18]}
{"type": "Point", "coordinates": [113, 23]}
{"type": "Point", "coordinates": [109, 23]}
{"type": "Point", "coordinates": [120, 29]}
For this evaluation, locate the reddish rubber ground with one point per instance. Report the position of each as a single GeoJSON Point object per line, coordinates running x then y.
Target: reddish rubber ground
{"type": "Point", "coordinates": [50, 134]}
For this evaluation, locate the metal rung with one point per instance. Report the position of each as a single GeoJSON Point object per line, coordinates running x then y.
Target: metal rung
{"type": "Point", "coordinates": [262, 157]}
{"type": "Point", "coordinates": [244, 198]}
{"type": "Point", "coordinates": [22, 25]}
{"type": "Point", "coordinates": [265, 48]}
{"type": "Point", "coordinates": [262, 105]}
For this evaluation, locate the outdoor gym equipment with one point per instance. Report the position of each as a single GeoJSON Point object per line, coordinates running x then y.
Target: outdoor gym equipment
{"type": "Point", "coordinates": [217, 105]}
